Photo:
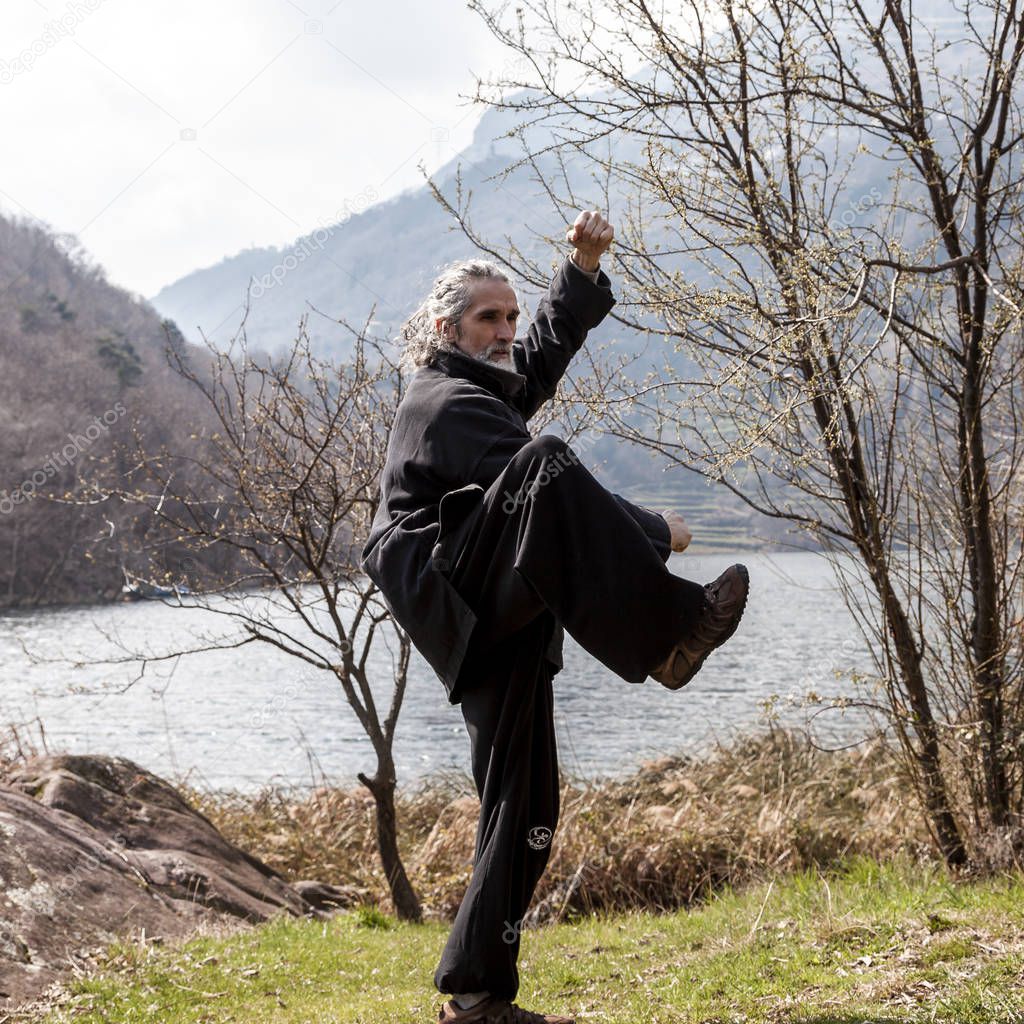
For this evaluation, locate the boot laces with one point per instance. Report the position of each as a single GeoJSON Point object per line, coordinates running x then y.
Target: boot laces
{"type": "Point", "coordinates": [712, 619]}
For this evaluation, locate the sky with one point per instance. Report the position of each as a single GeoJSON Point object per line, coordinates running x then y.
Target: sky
{"type": "Point", "coordinates": [165, 136]}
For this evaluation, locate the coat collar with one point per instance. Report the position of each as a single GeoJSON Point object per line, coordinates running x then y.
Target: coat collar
{"type": "Point", "coordinates": [501, 382]}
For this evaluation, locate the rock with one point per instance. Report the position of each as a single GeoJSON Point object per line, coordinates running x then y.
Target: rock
{"type": "Point", "coordinates": [96, 848]}
{"type": "Point", "coordinates": [328, 897]}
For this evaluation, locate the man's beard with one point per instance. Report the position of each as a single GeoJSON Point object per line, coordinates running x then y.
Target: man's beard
{"type": "Point", "coordinates": [505, 362]}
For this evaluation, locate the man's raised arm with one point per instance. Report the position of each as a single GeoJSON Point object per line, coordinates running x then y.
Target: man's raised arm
{"type": "Point", "coordinates": [578, 299]}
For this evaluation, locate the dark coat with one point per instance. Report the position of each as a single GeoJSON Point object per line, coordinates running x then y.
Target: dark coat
{"type": "Point", "coordinates": [457, 427]}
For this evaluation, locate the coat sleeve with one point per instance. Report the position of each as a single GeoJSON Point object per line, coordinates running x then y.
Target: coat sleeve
{"type": "Point", "coordinates": [473, 440]}
{"type": "Point", "coordinates": [574, 305]}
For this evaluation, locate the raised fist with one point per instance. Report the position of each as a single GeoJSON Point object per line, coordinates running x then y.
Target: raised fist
{"type": "Point", "coordinates": [591, 234]}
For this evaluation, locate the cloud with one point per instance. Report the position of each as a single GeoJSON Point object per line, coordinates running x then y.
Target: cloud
{"type": "Point", "coordinates": [169, 136]}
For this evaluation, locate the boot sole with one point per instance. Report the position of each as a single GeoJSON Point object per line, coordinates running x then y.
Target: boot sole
{"type": "Point", "coordinates": [673, 684]}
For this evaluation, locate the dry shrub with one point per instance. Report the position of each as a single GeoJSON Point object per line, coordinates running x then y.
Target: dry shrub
{"type": "Point", "coordinates": [17, 744]}
{"type": "Point", "coordinates": [676, 830]}
{"type": "Point", "coordinates": [681, 828]}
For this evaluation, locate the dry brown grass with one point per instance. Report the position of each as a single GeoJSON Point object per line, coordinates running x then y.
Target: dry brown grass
{"type": "Point", "coordinates": [676, 830]}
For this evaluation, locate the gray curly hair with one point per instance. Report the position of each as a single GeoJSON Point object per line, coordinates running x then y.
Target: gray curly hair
{"type": "Point", "coordinates": [449, 298]}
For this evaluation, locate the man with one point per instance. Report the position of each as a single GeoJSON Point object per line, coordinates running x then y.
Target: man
{"type": "Point", "coordinates": [488, 542]}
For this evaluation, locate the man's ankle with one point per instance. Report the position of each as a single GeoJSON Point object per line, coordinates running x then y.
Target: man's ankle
{"type": "Point", "coordinates": [467, 1000]}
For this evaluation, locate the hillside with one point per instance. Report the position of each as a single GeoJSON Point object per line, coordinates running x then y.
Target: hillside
{"type": "Point", "coordinates": [83, 364]}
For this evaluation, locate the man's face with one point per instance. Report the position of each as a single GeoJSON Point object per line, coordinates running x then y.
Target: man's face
{"type": "Point", "coordinates": [488, 326]}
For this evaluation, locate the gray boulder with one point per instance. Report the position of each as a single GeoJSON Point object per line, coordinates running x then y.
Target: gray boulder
{"type": "Point", "coordinates": [95, 848]}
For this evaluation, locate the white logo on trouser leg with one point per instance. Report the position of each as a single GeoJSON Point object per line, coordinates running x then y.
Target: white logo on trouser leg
{"type": "Point", "coordinates": [539, 837]}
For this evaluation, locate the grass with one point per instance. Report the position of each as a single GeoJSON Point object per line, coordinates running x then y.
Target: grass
{"type": "Point", "coordinates": [859, 944]}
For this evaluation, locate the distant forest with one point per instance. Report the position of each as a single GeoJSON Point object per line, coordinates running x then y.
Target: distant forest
{"type": "Point", "coordinates": [83, 365]}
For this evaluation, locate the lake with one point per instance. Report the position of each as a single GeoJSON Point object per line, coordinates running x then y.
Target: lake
{"type": "Point", "coordinates": [250, 717]}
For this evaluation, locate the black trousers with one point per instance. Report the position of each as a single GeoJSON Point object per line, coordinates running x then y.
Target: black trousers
{"type": "Point", "coordinates": [550, 545]}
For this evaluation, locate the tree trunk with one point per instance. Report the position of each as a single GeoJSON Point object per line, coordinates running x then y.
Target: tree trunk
{"type": "Point", "coordinates": [933, 782]}
{"type": "Point", "coordinates": [864, 515]}
{"type": "Point", "coordinates": [985, 626]}
{"type": "Point", "coordinates": [407, 905]}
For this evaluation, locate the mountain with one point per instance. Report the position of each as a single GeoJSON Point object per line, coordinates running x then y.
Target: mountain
{"type": "Point", "coordinates": [380, 260]}
{"type": "Point", "coordinates": [83, 366]}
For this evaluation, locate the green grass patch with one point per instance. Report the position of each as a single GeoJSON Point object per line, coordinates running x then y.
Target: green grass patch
{"type": "Point", "coordinates": [854, 946]}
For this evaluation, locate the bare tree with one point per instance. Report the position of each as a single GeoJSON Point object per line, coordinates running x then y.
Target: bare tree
{"type": "Point", "coordinates": [272, 508]}
{"type": "Point", "coordinates": [818, 209]}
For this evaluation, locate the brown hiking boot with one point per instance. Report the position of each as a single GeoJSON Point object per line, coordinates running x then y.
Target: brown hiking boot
{"type": "Point", "coordinates": [496, 1011]}
{"type": "Point", "coordinates": [724, 601]}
